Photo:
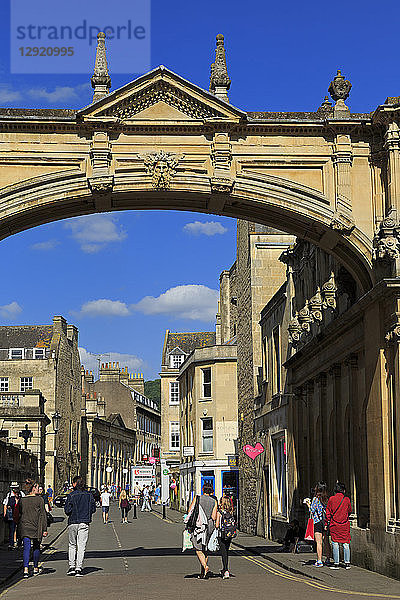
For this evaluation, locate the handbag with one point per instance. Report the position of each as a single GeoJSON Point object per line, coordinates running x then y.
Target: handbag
{"type": "Point", "coordinates": [192, 520]}
{"type": "Point", "coordinates": [310, 530]}
{"type": "Point", "coordinates": [50, 519]}
{"type": "Point", "coordinates": [129, 506]}
{"type": "Point", "coordinates": [9, 514]}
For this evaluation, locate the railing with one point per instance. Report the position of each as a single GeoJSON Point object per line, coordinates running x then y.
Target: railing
{"type": "Point", "coordinates": [10, 400]}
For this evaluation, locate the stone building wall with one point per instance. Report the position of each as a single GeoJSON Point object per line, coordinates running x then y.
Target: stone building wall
{"type": "Point", "coordinates": [259, 276]}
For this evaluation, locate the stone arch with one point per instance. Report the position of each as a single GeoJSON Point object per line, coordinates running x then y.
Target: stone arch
{"type": "Point", "coordinates": [270, 200]}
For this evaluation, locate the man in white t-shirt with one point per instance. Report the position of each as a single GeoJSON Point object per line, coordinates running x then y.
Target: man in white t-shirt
{"type": "Point", "coordinates": [105, 504]}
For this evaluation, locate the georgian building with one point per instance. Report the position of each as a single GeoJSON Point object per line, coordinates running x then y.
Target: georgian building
{"type": "Point", "coordinates": [208, 421]}
{"type": "Point", "coordinates": [108, 446]}
{"type": "Point", "coordinates": [177, 347]}
{"type": "Point", "coordinates": [123, 394]}
{"type": "Point", "coordinates": [40, 378]}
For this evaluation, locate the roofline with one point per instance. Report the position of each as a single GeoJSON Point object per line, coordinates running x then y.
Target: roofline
{"type": "Point", "coordinates": [162, 69]}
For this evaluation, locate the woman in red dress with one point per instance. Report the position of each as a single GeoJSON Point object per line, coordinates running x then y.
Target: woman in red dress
{"type": "Point", "coordinates": [338, 510]}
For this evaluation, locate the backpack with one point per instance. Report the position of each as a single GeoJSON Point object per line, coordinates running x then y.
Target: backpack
{"type": "Point", "coordinates": [228, 526]}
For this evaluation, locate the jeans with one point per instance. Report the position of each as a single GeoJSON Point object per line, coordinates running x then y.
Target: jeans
{"type": "Point", "coordinates": [224, 549]}
{"type": "Point", "coordinates": [124, 512]}
{"type": "Point", "coordinates": [78, 534]}
{"type": "Point", "coordinates": [346, 552]}
{"type": "Point", "coordinates": [28, 542]}
{"type": "Point", "coordinates": [11, 531]}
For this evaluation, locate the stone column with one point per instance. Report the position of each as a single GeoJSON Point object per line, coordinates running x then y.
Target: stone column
{"type": "Point", "coordinates": [323, 450]}
{"type": "Point", "coordinates": [342, 162]}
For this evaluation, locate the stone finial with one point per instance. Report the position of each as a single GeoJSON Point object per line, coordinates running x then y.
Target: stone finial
{"type": "Point", "coordinates": [326, 106]}
{"type": "Point", "coordinates": [101, 81]}
{"type": "Point", "coordinates": [219, 79]}
{"type": "Point", "coordinates": [339, 89]}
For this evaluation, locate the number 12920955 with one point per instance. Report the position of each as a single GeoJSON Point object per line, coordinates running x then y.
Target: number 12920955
{"type": "Point", "coordinates": [46, 50]}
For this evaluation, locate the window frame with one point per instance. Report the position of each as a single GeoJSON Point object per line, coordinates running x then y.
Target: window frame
{"type": "Point", "coordinates": [11, 357]}
{"type": "Point", "coordinates": [207, 436]}
{"type": "Point", "coordinates": [206, 383]}
{"type": "Point", "coordinates": [4, 380]}
{"type": "Point", "coordinates": [171, 393]}
{"type": "Point", "coordinates": [176, 357]}
{"type": "Point", "coordinates": [174, 430]}
{"type": "Point", "coordinates": [36, 350]}
{"type": "Point", "coordinates": [22, 387]}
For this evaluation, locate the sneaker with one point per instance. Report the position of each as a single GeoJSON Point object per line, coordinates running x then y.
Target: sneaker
{"type": "Point", "coordinates": [37, 571]}
{"type": "Point", "coordinates": [71, 571]}
{"type": "Point", "coordinates": [225, 575]}
{"type": "Point", "coordinates": [78, 573]}
{"type": "Point", "coordinates": [334, 566]}
{"type": "Point", "coordinates": [26, 575]}
{"type": "Point", "coordinates": [347, 565]}
{"type": "Point", "coordinates": [318, 563]}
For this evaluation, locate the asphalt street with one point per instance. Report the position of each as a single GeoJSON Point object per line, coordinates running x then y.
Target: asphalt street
{"type": "Point", "coordinates": [143, 559]}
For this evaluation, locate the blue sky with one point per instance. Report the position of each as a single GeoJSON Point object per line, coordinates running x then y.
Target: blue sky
{"type": "Point", "coordinates": [122, 278]}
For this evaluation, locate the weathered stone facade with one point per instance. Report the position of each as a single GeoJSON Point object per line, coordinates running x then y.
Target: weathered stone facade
{"type": "Point", "coordinates": [45, 359]}
{"type": "Point", "coordinates": [259, 275]}
{"type": "Point", "coordinates": [213, 403]}
{"type": "Point", "coordinates": [108, 443]}
{"type": "Point", "coordinates": [122, 393]}
{"type": "Point", "coordinates": [176, 348]}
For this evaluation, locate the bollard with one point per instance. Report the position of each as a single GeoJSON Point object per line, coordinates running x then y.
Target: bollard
{"type": "Point", "coordinates": [164, 511]}
{"type": "Point", "coordinates": [134, 511]}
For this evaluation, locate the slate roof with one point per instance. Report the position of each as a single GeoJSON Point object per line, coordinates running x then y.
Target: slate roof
{"type": "Point", "coordinates": [26, 336]}
{"type": "Point", "coordinates": [189, 341]}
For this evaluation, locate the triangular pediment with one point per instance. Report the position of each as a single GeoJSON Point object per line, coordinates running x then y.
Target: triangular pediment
{"type": "Point", "coordinates": [160, 96]}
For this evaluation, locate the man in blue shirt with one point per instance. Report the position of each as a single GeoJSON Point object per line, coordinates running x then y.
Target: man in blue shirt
{"type": "Point", "coordinates": [79, 507]}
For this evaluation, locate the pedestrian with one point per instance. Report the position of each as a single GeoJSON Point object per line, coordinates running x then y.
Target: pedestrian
{"type": "Point", "coordinates": [32, 525]}
{"type": "Point", "coordinates": [50, 493]}
{"type": "Point", "coordinates": [124, 506]}
{"type": "Point", "coordinates": [11, 509]}
{"type": "Point", "coordinates": [146, 499]}
{"type": "Point", "coordinates": [318, 514]}
{"type": "Point", "coordinates": [157, 494]}
{"type": "Point", "coordinates": [204, 526]}
{"type": "Point", "coordinates": [80, 506]}
{"type": "Point", "coordinates": [226, 525]}
{"type": "Point", "coordinates": [105, 504]}
{"type": "Point", "coordinates": [338, 511]}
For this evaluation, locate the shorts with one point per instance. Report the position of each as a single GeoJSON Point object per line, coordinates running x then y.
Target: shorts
{"type": "Point", "coordinates": [105, 509]}
{"type": "Point", "coordinates": [319, 527]}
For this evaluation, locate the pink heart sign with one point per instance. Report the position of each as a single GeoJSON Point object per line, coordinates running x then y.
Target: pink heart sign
{"type": "Point", "coordinates": [253, 451]}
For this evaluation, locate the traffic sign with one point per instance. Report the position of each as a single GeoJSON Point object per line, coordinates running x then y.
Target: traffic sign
{"type": "Point", "coordinates": [166, 472]}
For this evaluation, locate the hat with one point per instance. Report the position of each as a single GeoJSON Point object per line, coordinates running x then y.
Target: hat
{"type": "Point", "coordinates": [14, 484]}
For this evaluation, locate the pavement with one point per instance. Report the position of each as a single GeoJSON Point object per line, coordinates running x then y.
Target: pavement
{"type": "Point", "coordinates": [143, 559]}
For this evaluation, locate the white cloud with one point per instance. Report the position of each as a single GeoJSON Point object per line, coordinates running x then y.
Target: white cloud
{"type": "Point", "coordinates": [103, 308]}
{"type": "Point", "coordinates": [196, 302]}
{"type": "Point", "coordinates": [59, 94]}
{"type": "Point", "coordinates": [48, 245]}
{"type": "Point", "coordinates": [90, 360]}
{"type": "Point", "coordinates": [208, 228]}
{"type": "Point", "coordinates": [93, 232]}
{"type": "Point", "coordinates": [10, 311]}
{"type": "Point", "coordinates": [8, 94]}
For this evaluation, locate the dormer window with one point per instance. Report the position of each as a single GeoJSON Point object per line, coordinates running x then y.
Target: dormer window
{"type": "Point", "coordinates": [177, 360]}
{"type": "Point", "coordinates": [16, 353]}
{"type": "Point", "coordinates": [38, 353]}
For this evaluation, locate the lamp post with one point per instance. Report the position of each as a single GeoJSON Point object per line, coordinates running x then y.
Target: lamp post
{"type": "Point", "coordinates": [56, 418]}
{"type": "Point", "coordinates": [26, 434]}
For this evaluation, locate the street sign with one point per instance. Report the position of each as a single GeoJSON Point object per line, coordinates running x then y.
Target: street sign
{"type": "Point", "coordinates": [143, 475]}
{"type": "Point", "coordinates": [164, 482]}
{"type": "Point", "coordinates": [109, 469]}
{"type": "Point", "coordinates": [125, 471]}
{"type": "Point", "coordinates": [233, 460]}
{"type": "Point", "coordinates": [188, 450]}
